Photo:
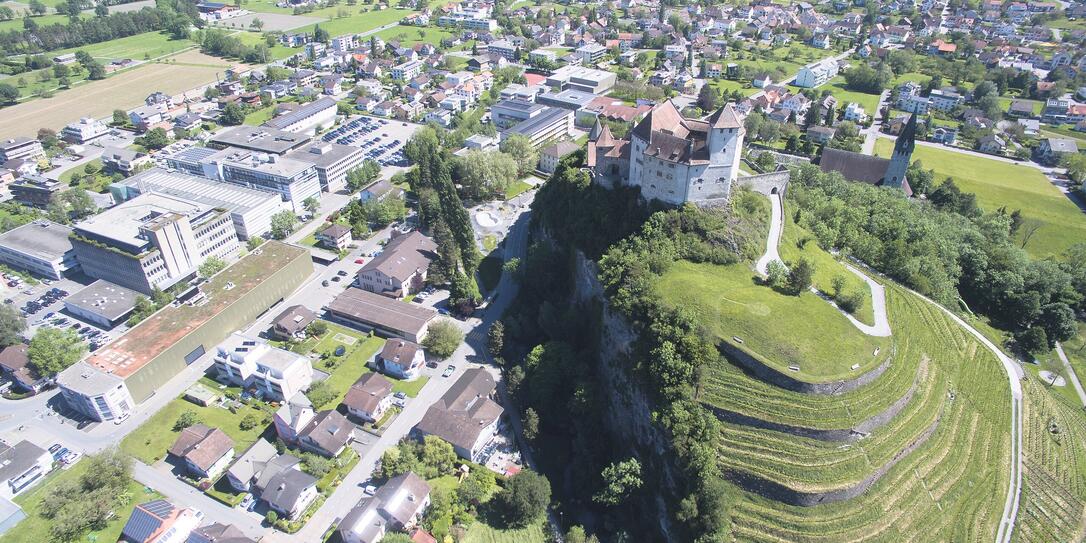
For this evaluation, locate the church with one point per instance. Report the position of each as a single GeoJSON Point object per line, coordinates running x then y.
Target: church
{"type": "Point", "coordinates": [881, 172]}
{"type": "Point", "coordinates": [671, 158]}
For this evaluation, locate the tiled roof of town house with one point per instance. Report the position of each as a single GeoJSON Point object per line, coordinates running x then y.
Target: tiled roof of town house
{"type": "Point", "coordinates": [398, 350]}
{"type": "Point", "coordinates": [403, 256]}
{"type": "Point", "coordinates": [466, 408]}
{"type": "Point", "coordinates": [201, 445]}
{"type": "Point", "coordinates": [329, 430]}
{"type": "Point", "coordinates": [368, 392]}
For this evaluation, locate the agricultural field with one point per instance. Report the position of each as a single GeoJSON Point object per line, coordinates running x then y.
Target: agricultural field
{"type": "Point", "coordinates": [148, 45]}
{"type": "Point", "coordinates": [100, 98]}
{"type": "Point", "coordinates": [35, 528]}
{"type": "Point", "coordinates": [1053, 223]}
{"type": "Point", "coordinates": [796, 243]}
{"type": "Point", "coordinates": [784, 331]}
{"type": "Point", "coordinates": [951, 487]}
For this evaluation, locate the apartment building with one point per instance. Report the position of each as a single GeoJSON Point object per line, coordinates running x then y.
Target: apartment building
{"type": "Point", "coordinates": [307, 118]}
{"type": "Point", "coordinates": [85, 130]}
{"type": "Point", "coordinates": [810, 77]}
{"type": "Point", "coordinates": [406, 71]}
{"type": "Point", "coordinates": [21, 148]}
{"type": "Point", "coordinates": [269, 372]}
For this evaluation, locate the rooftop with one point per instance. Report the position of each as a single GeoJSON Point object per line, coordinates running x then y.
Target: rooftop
{"type": "Point", "coordinates": [307, 110]}
{"type": "Point", "coordinates": [123, 222]}
{"type": "Point", "coordinates": [531, 126]}
{"type": "Point", "coordinates": [264, 139]}
{"type": "Point", "coordinates": [130, 352]}
{"type": "Point", "coordinates": [265, 163]}
{"type": "Point", "coordinates": [325, 154]}
{"type": "Point", "coordinates": [42, 239]}
{"type": "Point", "coordinates": [381, 311]}
{"type": "Point", "coordinates": [104, 298]}
{"type": "Point", "coordinates": [83, 378]}
{"type": "Point", "coordinates": [233, 198]}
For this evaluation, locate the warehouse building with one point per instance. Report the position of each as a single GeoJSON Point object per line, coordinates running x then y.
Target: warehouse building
{"type": "Point", "coordinates": [41, 247]}
{"type": "Point", "coordinates": [260, 139]}
{"type": "Point", "coordinates": [147, 356]}
{"type": "Point", "coordinates": [102, 303]}
{"type": "Point", "coordinates": [382, 315]}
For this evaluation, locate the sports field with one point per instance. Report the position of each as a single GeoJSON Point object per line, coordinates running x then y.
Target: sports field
{"type": "Point", "coordinates": [100, 98]}
{"type": "Point", "coordinates": [1058, 221]}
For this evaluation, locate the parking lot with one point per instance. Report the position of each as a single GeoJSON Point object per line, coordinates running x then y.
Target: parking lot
{"type": "Point", "coordinates": [381, 139]}
{"type": "Point", "coordinates": [42, 305]}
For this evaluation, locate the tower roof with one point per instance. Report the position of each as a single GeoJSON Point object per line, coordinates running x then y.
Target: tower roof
{"type": "Point", "coordinates": [725, 117]}
{"type": "Point", "coordinates": [906, 141]}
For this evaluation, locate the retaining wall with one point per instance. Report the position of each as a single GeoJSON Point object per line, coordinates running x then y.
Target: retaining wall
{"type": "Point", "coordinates": [771, 375]}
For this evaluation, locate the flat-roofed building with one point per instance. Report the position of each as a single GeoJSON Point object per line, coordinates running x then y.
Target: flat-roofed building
{"type": "Point", "coordinates": [94, 393]}
{"type": "Point", "coordinates": [153, 241]}
{"type": "Point", "coordinates": [293, 180]}
{"type": "Point", "coordinates": [318, 113]}
{"type": "Point", "coordinates": [582, 79]}
{"type": "Point", "coordinates": [35, 190]}
{"type": "Point", "coordinates": [41, 247]}
{"type": "Point", "coordinates": [21, 148]}
{"type": "Point", "coordinates": [510, 112]}
{"type": "Point", "coordinates": [384, 316]}
{"type": "Point", "coordinates": [269, 372]}
{"type": "Point", "coordinates": [551, 125]}
{"type": "Point", "coordinates": [568, 99]}
{"type": "Point", "coordinates": [407, 71]}
{"type": "Point", "coordinates": [85, 130]}
{"type": "Point", "coordinates": [262, 139]}
{"type": "Point", "coordinates": [503, 48]}
{"type": "Point", "coordinates": [332, 161]}
{"type": "Point", "coordinates": [250, 209]}
{"type": "Point", "coordinates": [21, 466]}
{"type": "Point", "coordinates": [591, 53]}
{"type": "Point", "coordinates": [149, 354]}
{"type": "Point", "coordinates": [102, 303]}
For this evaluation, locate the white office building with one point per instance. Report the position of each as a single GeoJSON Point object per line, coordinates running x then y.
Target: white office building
{"type": "Point", "coordinates": [41, 248]}
{"type": "Point", "coordinates": [84, 130]}
{"type": "Point", "coordinates": [307, 118]}
{"type": "Point", "coordinates": [269, 372]}
{"type": "Point", "coordinates": [96, 394]}
{"type": "Point", "coordinates": [810, 77]}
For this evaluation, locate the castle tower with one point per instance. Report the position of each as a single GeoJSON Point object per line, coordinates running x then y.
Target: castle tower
{"type": "Point", "coordinates": [903, 152]}
{"type": "Point", "coordinates": [725, 139]}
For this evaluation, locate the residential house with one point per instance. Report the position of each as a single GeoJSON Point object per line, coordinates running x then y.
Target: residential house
{"type": "Point", "coordinates": [336, 237]}
{"type": "Point", "coordinates": [1052, 150]}
{"type": "Point", "coordinates": [21, 466]}
{"type": "Point", "coordinates": [266, 371]}
{"type": "Point", "coordinates": [762, 80]}
{"type": "Point", "coordinates": [944, 135]}
{"type": "Point", "coordinates": [820, 134]}
{"type": "Point", "coordinates": [465, 416]}
{"type": "Point", "coordinates": [292, 323]}
{"type": "Point", "coordinates": [123, 161]}
{"type": "Point", "coordinates": [401, 358]}
{"type": "Point", "coordinates": [855, 112]}
{"type": "Point", "coordinates": [401, 267]}
{"type": "Point", "coordinates": [396, 507]}
{"type": "Point", "coordinates": [326, 434]}
{"type": "Point", "coordinates": [369, 398]}
{"type": "Point", "coordinates": [205, 451]}
{"type": "Point", "coordinates": [14, 365]}
{"type": "Point", "coordinates": [220, 533]}
{"type": "Point", "coordinates": [285, 488]}
{"type": "Point", "coordinates": [991, 144]}
{"type": "Point", "coordinates": [160, 521]}
{"type": "Point", "coordinates": [247, 469]}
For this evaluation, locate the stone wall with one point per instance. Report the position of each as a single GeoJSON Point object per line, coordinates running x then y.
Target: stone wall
{"type": "Point", "coordinates": [764, 372]}
{"type": "Point", "coordinates": [766, 183]}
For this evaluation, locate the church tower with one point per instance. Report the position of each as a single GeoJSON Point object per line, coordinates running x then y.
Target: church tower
{"type": "Point", "coordinates": [903, 152]}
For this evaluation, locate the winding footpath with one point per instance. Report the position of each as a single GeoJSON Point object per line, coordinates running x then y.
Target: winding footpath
{"type": "Point", "coordinates": [1013, 370]}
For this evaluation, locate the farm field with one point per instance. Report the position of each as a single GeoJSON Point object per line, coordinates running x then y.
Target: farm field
{"type": "Point", "coordinates": [138, 47]}
{"type": "Point", "coordinates": [997, 184]}
{"type": "Point", "coordinates": [410, 35]}
{"type": "Point", "coordinates": [950, 488]}
{"type": "Point", "coordinates": [100, 98]}
{"type": "Point", "coordinates": [35, 528]}
{"type": "Point", "coordinates": [783, 330]}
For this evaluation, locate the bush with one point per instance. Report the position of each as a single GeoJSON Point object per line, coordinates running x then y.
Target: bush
{"type": "Point", "coordinates": [852, 302]}
{"type": "Point", "coordinates": [524, 499]}
{"type": "Point", "coordinates": [249, 422]}
{"type": "Point", "coordinates": [186, 419]}
{"type": "Point", "coordinates": [443, 338]}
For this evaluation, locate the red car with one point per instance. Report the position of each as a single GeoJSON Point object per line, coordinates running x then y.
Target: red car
{"type": "Point", "coordinates": [359, 261]}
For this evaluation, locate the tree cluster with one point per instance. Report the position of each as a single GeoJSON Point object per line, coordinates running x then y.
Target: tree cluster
{"type": "Point", "coordinates": [52, 350]}
{"type": "Point", "coordinates": [79, 32]}
{"type": "Point", "coordinates": [87, 503]}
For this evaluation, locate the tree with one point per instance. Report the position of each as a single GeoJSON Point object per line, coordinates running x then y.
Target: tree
{"type": "Point", "coordinates": [211, 266]}
{"type": "Point", "coordinates": [619, 480]}
{"type": "Point", "coordinates": [707, 98]}
{"type": "Point", "coordinates": [800, 276]}
{"type": "Point", "coordinates": [477, 486]}
{"type": "Point", "coordinates": [1032, 341]}
{"type": "Point", "coordinates": [12, 325]}
{"type": "Point", "coordinates": [524, 499]}
{"type": "Point", "coordinates": [530, 424]}
{"type": "Point", "coordinates": [486, 174]}
{"type": "Point", "coordinates": [320, 35]}
{"type": "Point", "coordinates": [443, 338]}
{"type": "Point", "coordinates": [362, 176]}
{"type": "Point", "coordinates": [254, 242]}
{"type": "Point", "coordinates": [311, 204]}
{"type": "Point", "coordinates": [8, 94]}
{"type": "Point", "coordinates": [316, 328]}
{"type": "Point", "coordinates": [776, 274]}
{"type": "Point", "coordinates": [283, 223]}
{"type": "Point", "coordinates": [186, 419]}
{"type": "Point", "coordinates": [101, 10]}
{"type": "Point", "coordinates": [320, 394]}
{"type": "Point", "coordinates": [520, 148]}
{"type": "Point", "coordinates": [249, 422]}
{"type": "Point", "coordinates": [271, 517]}
{"type": "Point", "coordinates": [52, 350]}
{"type": "Point", "coordinates": [257, 24]}
{"type": "Point", "coordinates": [95, 71]}
{"type": "Point", "coordinates": [37, 8]}
{"type": "Point", "coordinates": [396, 537]}
{"type": "Point", "coordinates": [496, 338]}
{"type": "Point", "coordinates": [120, 117]}
{"type": "Point", "coordinates": [232, 114]}
{"type": "Point", "coordinates": [155, 138]}
{"type": "Point", "coordinates": [1076, 166]}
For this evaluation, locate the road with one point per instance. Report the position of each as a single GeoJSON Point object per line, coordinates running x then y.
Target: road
{"type": "Point", "coordinates": [871, 134]}
{"type": "Point", "coordinates": [1071, 375]}
{"type": "Point", "coordinates": [776, 225]}
{"type": "Point", "coordinates": [182, 494]}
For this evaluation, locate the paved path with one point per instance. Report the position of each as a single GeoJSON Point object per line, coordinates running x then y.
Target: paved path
{"type": "Point", "coordinates": [1071, 374]}
{"type": "Point", "coordinates": [881, 328]}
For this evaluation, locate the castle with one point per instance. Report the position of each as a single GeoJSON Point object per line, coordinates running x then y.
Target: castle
{"type": "Point", "coordinates": [881, 172]}
{"type": "Point", "coordinates": [672, 159]}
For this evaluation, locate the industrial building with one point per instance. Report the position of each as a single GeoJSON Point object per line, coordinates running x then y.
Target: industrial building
{"type": "Point", "coordinates": [41, 247]}
{"type": "Point", "coordinates": [293, 180]}
{"type": "Point", "coordinates": [321, 112]}
{"type": "Point", "coordinates": [261, 139]}
{"type": "Point", "coordinates": [133, 366]}
{"type": "Point", "coordinates": [582, 79]}
{"type": "Point", "coordinates": [552, 125]}
{"type": "Point", "coordinates": [153, 241]}
{"type": "Point", "coordinates": [510, 112]}
{"type": "Point", "coordinates": [102, 303]}
{"type": "Point", "coordinates": [250, 209]}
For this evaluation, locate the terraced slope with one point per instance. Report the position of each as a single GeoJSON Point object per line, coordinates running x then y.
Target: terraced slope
{"type": "Point", "coordinates": [1054, 474]}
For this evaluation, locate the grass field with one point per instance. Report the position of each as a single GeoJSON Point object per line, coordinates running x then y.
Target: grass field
{"type": "Point", "coordinates": [100, 98]}
{"type": "Point", "coordinates": [836, 86]}
{"type": "Point", "coordinates": [951, 488]}
{"type": "Point", "coordinates": [783, 330]}
{"type": "Point", "coordinates": [482, 533]}
{"type": "Point", "coordinates": [149, 442]}
{"type": "Point", "coordinates": [276, 52]}
{"type": "Point", "coordinates": [826, 266]}
{"type": "Point", "coordinates": [260, 116]}
{"type": "Point", "coordinates": [410, 35]}
{"type": "Point", "coordinates": [138, 47]}
{"type": "Point", "coordinates": [999, 184]}
{"type": "Point", "coordinates": [359, 22]}
{"type": "Point", "coordinates": [36, 529]}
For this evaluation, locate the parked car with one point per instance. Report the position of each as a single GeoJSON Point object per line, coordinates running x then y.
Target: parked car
{"type": "Point", "coordinates": [54, 448]}
{"type": "Point", "coordinates": [448, 370]}
{"type": "Point", "coordinates": [342, 273]}
{"type": "Point", "coordinates": [399, 399]}
{"type": "Point", "coordinates": [325, 283]}
{"type": "Point", "coordinates": [359, 261]}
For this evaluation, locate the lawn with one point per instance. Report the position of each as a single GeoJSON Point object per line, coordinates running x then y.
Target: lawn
{"type": "Point", "coordinates": [36, 529]}
{"type": "Point", "coordinates": [730, 85]}
{"type": "Point", "coordinates": [137, 47]}
{"type": "Point", "coordinates": [483, 533]}
{"type": "Point", "coordinates": [275, 52]}
{"type": "Point", "coordinates": [349, 367]}
{"type": "Point", "coordinates": [826, 266]}
{"type": "Point", "coordinates": [359, 22]}
{"type": "Point", "coordinates": [516, 189]}
{"type": "Point", "coordinates": [870, 102]}
{"type": "Point", "coordinates": [1059, 223]}
{"type": "Point", "coordinates": [781, 329]}
{"type": "Point", "coordinates": [150, 441]}
{"type": "Point", "coordinates": [410, 35]}
{"type": "Point", "coordinates": [260, 116]}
